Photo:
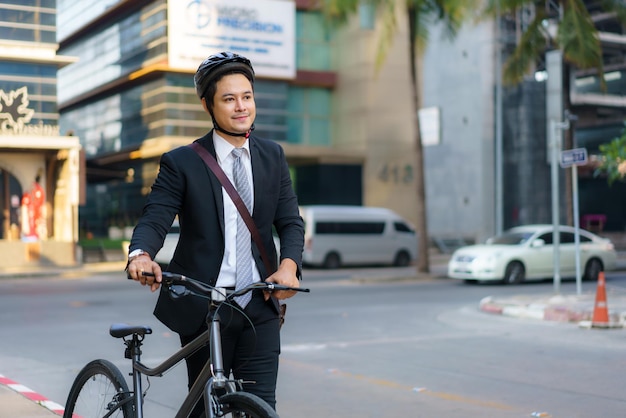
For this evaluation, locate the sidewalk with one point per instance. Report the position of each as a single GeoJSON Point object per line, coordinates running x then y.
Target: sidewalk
{"type": "Point", "coordinates": [17, 401]}
{"type": "Point", "coordinates": [564, 308]}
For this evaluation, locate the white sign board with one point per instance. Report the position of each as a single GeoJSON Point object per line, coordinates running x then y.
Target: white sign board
{"type": "Point", "coordinates": [261, 30]}
{"type": "Point", "coordinates": [576, 156]}
{"type": "Point", "coordinates": [430, 125]}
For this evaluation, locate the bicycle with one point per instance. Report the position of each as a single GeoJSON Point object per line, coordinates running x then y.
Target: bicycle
{"type": "Point", "coordinates": [100, 389]}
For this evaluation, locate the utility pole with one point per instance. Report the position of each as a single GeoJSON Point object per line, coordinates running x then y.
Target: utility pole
{"type": "Point", "coordinates": [555, 145]}
{"type": "Point", "coordinates": [499, 153]}
{"type": "Point", "coordinates": [554, 117]}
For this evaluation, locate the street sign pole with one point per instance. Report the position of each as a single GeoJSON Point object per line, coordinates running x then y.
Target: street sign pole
{"type": "Point", "coordinates": [574, 158]}
{"type": "Point", "coordinates": [576, 227]}
{"type": "Point", "coordinates": [556, 149]}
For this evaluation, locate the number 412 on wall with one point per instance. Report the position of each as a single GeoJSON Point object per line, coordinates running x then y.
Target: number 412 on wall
{"type": "Point", "coordinates": [396, 173]}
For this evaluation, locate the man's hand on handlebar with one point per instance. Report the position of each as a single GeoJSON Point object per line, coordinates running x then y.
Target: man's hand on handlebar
{"type": "Point", "coordinates": [145, 271]}
{"type": "Point", "coordinates": [285, 275]}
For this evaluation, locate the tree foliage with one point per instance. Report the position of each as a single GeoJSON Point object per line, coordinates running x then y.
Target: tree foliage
{"type": "Point", "coordinates": [450, 13]}
{"type": "Point", "coordinates": [613, 159]}
{"type": "Point", "coordinates": [568, 27]}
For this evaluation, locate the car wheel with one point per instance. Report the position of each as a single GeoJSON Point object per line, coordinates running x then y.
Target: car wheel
{"type": "Point", "coordinates": [402, 259]}
{"type": "Point", "coordinates": [514, 273]}
{"type": "Point", "coordinates": [332, 261]}
{"type": "Point", "coordinates": [593, 269]}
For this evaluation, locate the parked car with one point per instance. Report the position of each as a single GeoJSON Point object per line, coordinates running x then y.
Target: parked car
{"type": "Point", "coordinates": [526, 252]}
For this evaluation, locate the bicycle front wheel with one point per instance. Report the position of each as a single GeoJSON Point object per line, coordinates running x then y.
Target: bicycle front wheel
{"type": "Point", "coordinates": [98, 390]}
{"type": "Point", "coordinates": [244, 405]}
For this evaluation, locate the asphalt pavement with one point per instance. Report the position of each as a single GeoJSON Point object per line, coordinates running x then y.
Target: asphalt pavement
{"type": "Point", "coordinates": [603, 308]}
{"type": "Point", "coordinates": [17, 400]}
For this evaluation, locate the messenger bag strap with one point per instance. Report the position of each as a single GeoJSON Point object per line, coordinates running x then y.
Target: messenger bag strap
{"type": "Point", "coordinates": [232, 192]}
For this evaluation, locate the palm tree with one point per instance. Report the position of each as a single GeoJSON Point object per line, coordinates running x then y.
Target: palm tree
{"type": "Point", "coordinates": [575, 35]}
{"type": "Point", "coordinates": [557, 24]}
{"type": "Point", "coordinates": [420, 14]}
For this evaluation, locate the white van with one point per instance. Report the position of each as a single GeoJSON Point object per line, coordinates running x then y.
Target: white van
{"type": "Point", "coordinates": [336, 236]}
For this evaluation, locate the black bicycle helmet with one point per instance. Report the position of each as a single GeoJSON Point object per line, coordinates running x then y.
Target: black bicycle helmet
{"type": "Point", "coordinates": [215, 66]}
{"type": "Point", "coordinates": [209, 73]}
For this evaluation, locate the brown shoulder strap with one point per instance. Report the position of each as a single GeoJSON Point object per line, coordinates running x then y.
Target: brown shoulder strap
{"type": "Point", "coordinates": [232, 192]}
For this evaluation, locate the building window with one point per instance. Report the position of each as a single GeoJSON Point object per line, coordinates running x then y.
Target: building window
{"type": "Point", "coordinates": [367, 15]}
{"type": "Point", "coordinates": [271, 108]}
{"type": "Point", "coordinates": [113, 52]}
{"type": "Point", "coordinates": [28, 21]}
{"type": "Point", "coordinates": [40, 83]}
{"type": "Point", "coordinates": [313, 42]}
{"type": "Point", "coordinates": [309, 111]}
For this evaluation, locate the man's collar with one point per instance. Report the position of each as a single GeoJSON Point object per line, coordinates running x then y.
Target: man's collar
{"type": "Point", "coordinates": [223, 148]}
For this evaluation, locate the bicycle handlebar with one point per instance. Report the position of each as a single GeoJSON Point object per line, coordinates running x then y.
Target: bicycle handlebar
{"type": "Point", "coordinates": [204, 289]}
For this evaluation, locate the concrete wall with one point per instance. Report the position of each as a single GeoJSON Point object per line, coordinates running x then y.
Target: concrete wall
{"type": "Point", "coordinates": [24, 166]}
{"type": "Point", "coordinates": [373, 114]}
{"type": "Point", "coordinates": [15, 254]}
{"type": "Point", "coordinates": [458, 77]}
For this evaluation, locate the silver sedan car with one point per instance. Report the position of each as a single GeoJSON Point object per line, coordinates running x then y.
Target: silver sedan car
{"type": "Point", "coordinates": [526, 252]}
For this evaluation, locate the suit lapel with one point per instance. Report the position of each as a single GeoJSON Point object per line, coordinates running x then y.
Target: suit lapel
{"type": "Point", "coordinates": [216, 186]}
{"type": "Point", "coordinates": [257, 171]}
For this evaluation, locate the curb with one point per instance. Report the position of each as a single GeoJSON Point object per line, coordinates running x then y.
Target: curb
{"type": "Point", "coordinates": [31, 395]}
{"type": "Point", "coordinates": [556, 309]}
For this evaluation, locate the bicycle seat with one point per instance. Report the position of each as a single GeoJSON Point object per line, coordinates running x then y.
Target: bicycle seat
{"type": "Point", "coordinates": [123, 330]}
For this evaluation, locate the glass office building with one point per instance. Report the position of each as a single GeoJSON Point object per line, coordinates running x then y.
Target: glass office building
{"type": "Point", "coordinates": [30, 25]}
{"type": "Point", "coordinates": [39, 167]}
{"type": "Point", "coordinates": [128, 104]}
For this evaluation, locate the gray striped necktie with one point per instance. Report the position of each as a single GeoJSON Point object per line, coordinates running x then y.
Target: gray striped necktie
{"type": "Point", "coordinates": [244, 249]}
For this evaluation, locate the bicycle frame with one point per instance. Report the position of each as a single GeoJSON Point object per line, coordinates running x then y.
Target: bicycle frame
{"type": "Point", "coordinates": [211, 376]}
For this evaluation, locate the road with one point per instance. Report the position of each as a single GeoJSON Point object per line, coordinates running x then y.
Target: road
{"type": "Point", "coordinates": [374, 348]}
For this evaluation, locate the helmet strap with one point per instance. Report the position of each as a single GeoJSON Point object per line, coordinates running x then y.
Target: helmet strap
{"type": "Point", "coordinates": [242, 134]}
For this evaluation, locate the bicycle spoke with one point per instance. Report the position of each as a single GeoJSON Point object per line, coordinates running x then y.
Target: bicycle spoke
{"type": "Point", "coordinates": [97, 393]}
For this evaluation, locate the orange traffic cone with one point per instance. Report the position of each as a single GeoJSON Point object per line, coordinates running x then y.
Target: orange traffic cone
{"type": "Point", "coordinates": [601, 308]}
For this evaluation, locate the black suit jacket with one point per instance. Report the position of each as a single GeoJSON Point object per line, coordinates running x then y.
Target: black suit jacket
{"type": "Point", "coordinates": [185, 186]}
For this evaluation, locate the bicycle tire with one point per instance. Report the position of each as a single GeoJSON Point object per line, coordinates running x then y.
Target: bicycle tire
{"type": "Point", "coordinates": [97, 390]}
{"type": "Point", "coordinates": [244, 405]}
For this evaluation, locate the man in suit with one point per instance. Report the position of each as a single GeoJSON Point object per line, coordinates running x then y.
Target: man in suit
{"type": "Point", "coordinates": [207, 248]}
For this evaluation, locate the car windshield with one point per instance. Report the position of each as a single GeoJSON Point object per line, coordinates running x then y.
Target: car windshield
{"type": "Point", "coordinates": [510, 238]}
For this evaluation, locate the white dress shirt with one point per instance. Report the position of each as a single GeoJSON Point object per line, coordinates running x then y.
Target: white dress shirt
{"type": "Point", "coordinates": [228, 271]}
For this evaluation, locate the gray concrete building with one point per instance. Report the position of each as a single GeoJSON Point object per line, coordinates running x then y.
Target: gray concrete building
{"type": "Point", "coordinates": [459, 80]}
